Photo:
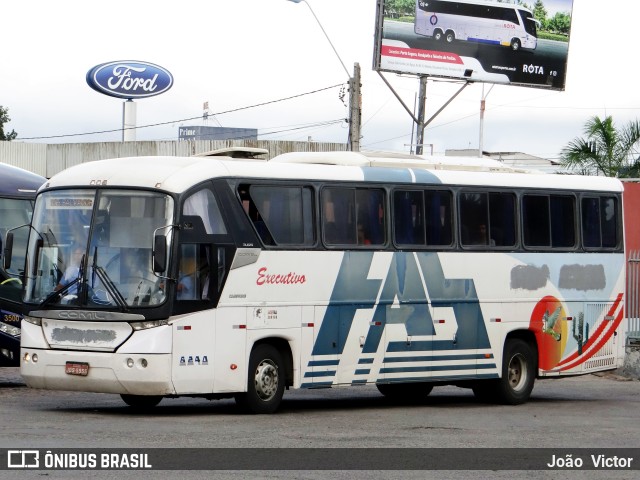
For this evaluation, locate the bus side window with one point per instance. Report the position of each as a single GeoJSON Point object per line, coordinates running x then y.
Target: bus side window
{"type": "Point", "coordinates": [204, 205]}
{"type": "Point", "coordinates": [254, 215]}
{"type": "Point", "coordinates": [196, 277]}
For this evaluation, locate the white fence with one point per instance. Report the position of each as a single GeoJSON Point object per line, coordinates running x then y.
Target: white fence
{"type": "Point", "coordinates": [633, 294]}
{"type": "Point", "coordinates": [47, 160]}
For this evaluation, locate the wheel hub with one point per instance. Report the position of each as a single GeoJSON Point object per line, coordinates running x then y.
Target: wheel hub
{"type": "Point", "coordinates": [266, 380]}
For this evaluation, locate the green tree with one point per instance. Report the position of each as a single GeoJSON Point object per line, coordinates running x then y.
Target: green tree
{"type": "Point", "coordinates": [4, 118]}
{"type": "Point", "coordinates": [560, 23]}
{"type": "Point", "coordinates": [604, 149]}
{"type": "Point", "coordinates": [540, 13]}
{"type": "Point", "coordinates": [401, 7]}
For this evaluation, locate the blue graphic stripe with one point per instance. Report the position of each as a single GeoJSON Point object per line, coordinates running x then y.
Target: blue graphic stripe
{"type": "Point", "coordinates": [320, 374]}
{"type": "Point", "coordinates": [437, 368]}
{"type": "Point", "coordinates": [386, 175]}
{"type": "Point", "coordinates": [421, 346]}
{"type": "Point", "coordinates": [483, 40]}
{"type": "Point", "coordinates": [363, 371]}
{"type": "Point", "coordinates": [317, 385]}
{"type": "Point", "coordinates": [323, 363]}
{"type": "Point", "coordinates": [437, 358]}
{"type": "Point", "coordinates": [359, 382]}
{"type": "Point", "coordinates": [365, 360]}
{"type": "Point", "coordinates": [483, 376]}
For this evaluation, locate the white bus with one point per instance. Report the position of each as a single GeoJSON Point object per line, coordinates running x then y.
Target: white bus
{"type": "Point", "coordinates": [221, 277]}
{"type": "Point", "coordinates": [477, 21]}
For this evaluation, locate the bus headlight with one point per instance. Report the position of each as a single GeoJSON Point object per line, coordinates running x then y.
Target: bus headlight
{"type": "Point", "coordinates": [148, 324]}
{"type": "Point", "coordinates": [33, 320]}
{"type": "Point", "coordinates": [9, 329]}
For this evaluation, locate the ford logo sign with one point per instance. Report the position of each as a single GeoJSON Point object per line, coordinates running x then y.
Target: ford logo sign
{"type": "Point", "coordinates": [127, 79]}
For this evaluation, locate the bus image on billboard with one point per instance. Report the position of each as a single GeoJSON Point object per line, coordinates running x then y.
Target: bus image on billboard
{"type": "Point", "coordinates": [477, 21]}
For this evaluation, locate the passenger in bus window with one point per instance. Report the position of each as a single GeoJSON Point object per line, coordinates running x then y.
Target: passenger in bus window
{"type": "Point", "coordinates": [362, 237]}
{"type": "Point", "coordinates": [186, 284]}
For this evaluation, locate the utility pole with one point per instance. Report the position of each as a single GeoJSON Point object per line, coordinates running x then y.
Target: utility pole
{"type": "Point", "coordinates": [355, 109]}
{"type": "Point", "coordinates": [482, 109]}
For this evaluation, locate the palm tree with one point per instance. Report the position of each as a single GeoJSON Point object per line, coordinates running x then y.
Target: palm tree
{"type": "Point", "coordinates": [605, 150]}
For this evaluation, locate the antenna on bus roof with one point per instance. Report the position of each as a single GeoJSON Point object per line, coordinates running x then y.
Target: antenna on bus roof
{"type": "Point", "coordinates": [235, 152]}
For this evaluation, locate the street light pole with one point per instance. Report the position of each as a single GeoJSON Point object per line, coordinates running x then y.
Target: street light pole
{"type": "Point", "coordinates": [354, 89]}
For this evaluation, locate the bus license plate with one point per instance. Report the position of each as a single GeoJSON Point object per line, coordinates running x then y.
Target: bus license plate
{"type": "Point", "coordinates": [77, 368]}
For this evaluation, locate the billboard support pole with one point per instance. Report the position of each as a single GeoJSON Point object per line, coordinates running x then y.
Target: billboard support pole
{"type": "Point", "coordinates": [420, 125]}
{"type": "Point", "coordinates": [419, 121]}
{"type": "Point", "coordinates": [415, 120]}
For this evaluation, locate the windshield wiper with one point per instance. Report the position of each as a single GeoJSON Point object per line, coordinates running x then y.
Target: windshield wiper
{"type": "Point", "coordinates": [58, 294]}
{"type": "Point", "coordinates": [106, 281]}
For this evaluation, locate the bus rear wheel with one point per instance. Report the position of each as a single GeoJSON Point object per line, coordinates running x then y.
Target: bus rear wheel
{"type": "Point", "coordinates": [519, 366]}
{"type": "Point", "coordinates": [437, 34]}
{"type": "Point", "coordinates": [265, 385]}
{"type": "Point", "coordinates": [141, 401]}
{"type": "Point", "coordinates": [449, 37]}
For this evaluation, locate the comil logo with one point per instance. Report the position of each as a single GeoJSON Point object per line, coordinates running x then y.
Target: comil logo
{"type": "Point", "coordinates": [23, 459]}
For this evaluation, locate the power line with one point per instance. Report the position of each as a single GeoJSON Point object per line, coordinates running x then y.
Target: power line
{"type": "Point", "coordinates": [184, 119]}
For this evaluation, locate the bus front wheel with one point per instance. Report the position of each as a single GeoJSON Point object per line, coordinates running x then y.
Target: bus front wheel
{"type": "Point", "coordinates": [265, 385]}
{"type": "Point", "coordinates": [515, 44]}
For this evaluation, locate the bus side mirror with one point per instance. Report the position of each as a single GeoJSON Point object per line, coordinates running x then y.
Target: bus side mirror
{"type": "Point", "coordinates": [8, 250]}
{"type": "Point", "coordinates": [159, 254]}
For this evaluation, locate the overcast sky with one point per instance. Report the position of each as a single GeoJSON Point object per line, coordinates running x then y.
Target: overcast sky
{"type": "Point", "coordinates": [237, 54]}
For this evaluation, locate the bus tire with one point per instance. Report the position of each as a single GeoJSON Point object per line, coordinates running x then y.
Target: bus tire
{"type": "Point", "coordinates": [449, 37]}
{"type": "Point", "coordinates": [437, 35]}
{"type": "Point", "coordinates": [405, 392]}
{"type": "Point", "coordinates": [519, 365]}
{"type": "Point", "coordinates": [265, 383]}
{"type": "Point", "coordinates": [515, 44]}
{"type": "Point", "coordinates": [141, 402]}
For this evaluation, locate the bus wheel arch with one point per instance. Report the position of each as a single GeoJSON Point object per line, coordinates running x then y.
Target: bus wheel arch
{"type": "Point", "coordinates": [519, 370]}
{"type": "Point", "coordinates": [438, 34]}
{"type": "Point", "coordinates": [270, 370]}
{"type": "Point", "coordinates": [516, 45]}
{"type": "Point", "coordinates": [449, 36]}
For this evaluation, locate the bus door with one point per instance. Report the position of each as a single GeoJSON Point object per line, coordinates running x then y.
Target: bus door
{"type": "Point", "coordinates": [203, 255]}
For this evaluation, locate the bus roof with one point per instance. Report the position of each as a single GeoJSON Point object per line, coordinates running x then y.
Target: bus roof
{"type": "Point", "coordinates": [493, 3]}
{"type": "Point", "coordinates": [177, 174]}
{"type": "Point", "coordinates": [18, 183]}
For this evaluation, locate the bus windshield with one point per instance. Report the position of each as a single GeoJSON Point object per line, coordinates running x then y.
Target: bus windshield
{"type": "Point", "coordinates": [530, 24]}
{"type": "Point", "coordinates": [93, 248]}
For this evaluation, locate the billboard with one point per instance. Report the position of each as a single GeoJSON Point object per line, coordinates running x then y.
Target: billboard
{"type": "Point", "coordinates": [217, 133]}
{"type": "Point", "coordinates": [494, 41]}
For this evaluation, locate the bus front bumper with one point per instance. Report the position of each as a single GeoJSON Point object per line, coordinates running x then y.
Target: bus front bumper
{"type": "Point", "coordinates": [133, 374]}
